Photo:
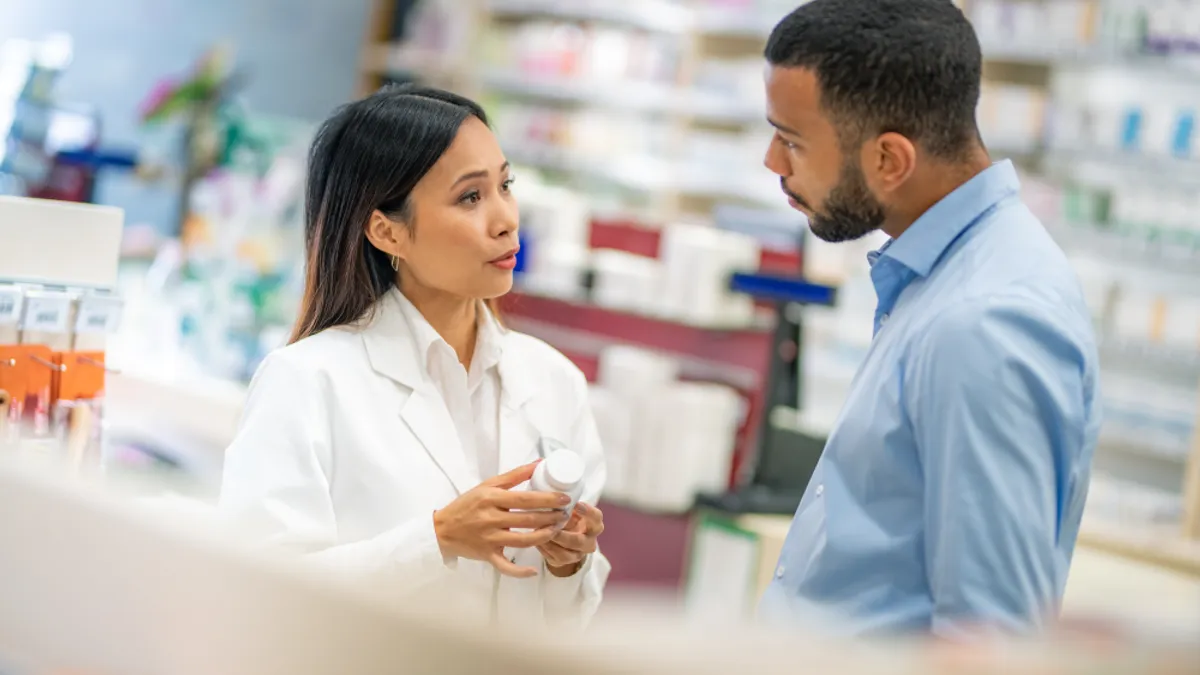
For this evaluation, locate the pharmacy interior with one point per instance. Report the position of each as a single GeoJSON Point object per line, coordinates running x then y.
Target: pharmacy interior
{"type": "Point", "coordinates": [718, 336]}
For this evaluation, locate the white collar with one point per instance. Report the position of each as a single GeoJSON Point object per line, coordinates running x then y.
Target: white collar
{"type": "Point", "coordinates": [489, 341]}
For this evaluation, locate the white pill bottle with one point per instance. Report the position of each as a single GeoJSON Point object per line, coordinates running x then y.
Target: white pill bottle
{"type": "Point", "coordinates": [562, 471]}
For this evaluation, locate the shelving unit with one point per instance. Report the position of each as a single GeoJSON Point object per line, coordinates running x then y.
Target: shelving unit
{"type": "Point", "coordinates": [58, 306]}
{"type": "Point", "coordinates": [661, 182]}
{"type": "Point", "coordinates": [1097, 56]}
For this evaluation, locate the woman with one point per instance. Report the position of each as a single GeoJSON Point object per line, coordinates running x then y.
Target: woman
{"type": "Point", "coordinates": [393, 435]}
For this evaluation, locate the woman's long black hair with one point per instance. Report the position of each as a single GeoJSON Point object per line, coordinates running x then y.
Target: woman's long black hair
{"type": "Point", "coordinates": [369, 155]}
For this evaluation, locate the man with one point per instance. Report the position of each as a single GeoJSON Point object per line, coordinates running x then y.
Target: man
{"type": "Point", "coordinates": [950, 491]}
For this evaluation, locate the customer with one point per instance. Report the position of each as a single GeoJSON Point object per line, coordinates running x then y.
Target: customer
{"type": "Point", "coordinates": [387, 438]}
{"type": "Point", "coordinates": [950, 491]}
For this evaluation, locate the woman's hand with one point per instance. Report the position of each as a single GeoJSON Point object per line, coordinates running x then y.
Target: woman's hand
{"type": "Point", "coordinates": [566, 552]}
{"type": "Point", "coordinates": [478, 525]}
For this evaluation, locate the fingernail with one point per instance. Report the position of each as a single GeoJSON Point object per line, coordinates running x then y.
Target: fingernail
{"type": "Point", "coordinates": [564, 499]}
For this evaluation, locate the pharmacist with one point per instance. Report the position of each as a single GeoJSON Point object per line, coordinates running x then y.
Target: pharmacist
{"type": "Point", "coordinates": [949, 494]}
{"type": "Point", "coordinates": [392, 438]}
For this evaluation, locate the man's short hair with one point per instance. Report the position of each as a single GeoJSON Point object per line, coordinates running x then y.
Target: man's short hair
{"type": "Point", "coordinates": [907, 66]}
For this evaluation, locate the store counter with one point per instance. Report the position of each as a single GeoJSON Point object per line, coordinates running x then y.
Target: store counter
{"type": "Point", "coordinates": [1113, 577]}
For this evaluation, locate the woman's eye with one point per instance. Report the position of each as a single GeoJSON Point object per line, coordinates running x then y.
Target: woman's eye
{"type": "Point", "coordinates": [471, 197]}
{"type": "Point", "coordinates": [507, 184]}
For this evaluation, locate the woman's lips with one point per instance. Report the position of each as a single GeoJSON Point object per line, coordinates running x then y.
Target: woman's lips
{"type": "Point", "coordinates": [507, 261]}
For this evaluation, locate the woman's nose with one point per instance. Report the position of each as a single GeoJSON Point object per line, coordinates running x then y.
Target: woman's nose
{"type": "Point", "coordinates": [506, 219]}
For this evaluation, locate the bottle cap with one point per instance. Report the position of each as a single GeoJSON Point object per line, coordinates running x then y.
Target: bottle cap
{"type": "Point", "coordinates": [564, 469]}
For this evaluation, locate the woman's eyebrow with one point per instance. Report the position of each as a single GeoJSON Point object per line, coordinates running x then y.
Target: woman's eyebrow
{"type": "Point", "coordinates": [479, 173]}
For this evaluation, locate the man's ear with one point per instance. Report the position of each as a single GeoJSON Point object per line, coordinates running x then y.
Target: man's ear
{"type": "Point", "coordinates": [893, 159]}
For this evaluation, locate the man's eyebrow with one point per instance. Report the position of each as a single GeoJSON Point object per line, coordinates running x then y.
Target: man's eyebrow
{"type": "Point", "coordinates": [784, 129]}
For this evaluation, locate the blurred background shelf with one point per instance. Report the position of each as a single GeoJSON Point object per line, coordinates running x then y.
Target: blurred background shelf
{"type": "Point", "coordinates": [624, 96]}
{"type": "Point", "coordinates": [1050, 56]}
{"type": "Point", "coordinates": [651, 15]}
{"type": "Point", "coordinates": [1160, 546]}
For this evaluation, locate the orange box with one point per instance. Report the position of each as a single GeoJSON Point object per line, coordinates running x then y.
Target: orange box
{"type": "Point", "coordinates": [80, 376]}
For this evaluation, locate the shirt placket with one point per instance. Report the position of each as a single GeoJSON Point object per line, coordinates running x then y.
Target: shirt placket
{"type": "Point", "coordinates": [889, 279]}
{"type": "Point", "coordinates": [454, 379]}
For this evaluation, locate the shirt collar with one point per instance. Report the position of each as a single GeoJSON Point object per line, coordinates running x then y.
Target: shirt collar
{"type": "Point", "coordinates": [925, 241]}
{"type": "Point", "coordinates": [488, 341]}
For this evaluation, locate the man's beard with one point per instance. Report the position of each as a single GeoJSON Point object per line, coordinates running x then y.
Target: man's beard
{"type": "Point", "coordinates": [850, 212]}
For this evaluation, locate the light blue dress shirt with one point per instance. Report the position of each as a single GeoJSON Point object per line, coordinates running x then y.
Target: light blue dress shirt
{"type": "Point", "coordinates": [950, 492]}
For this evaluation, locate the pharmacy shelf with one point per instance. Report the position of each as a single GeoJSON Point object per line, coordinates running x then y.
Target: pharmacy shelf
{"type": "Point", "coordinates": [736, 23]}
{"type": "Point", "coordinates": [1114, 168]}
{"type": "Point", "coordinates": [1170, 364]}
{"type": "Point", "coordinates": [1050, 56]}
{"type": "Point", "coordinates": [1158, 545]}
{"type": "Point", "coordinates": [1103, 241]}
{"type": "Point", "coordinates": [1166, 450]}
{"type": "Point", "coordinates": [396, 59]}
{"type": "Point", "coordinates": [648, 15]}
{"type": "Point", "coordinates": [649, 175]}
{"type": "Point", "coordinates": [644, 97]}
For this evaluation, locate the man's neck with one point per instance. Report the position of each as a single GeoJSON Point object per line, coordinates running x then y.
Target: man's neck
{"type": "Point", "coordinates": [936, 182]}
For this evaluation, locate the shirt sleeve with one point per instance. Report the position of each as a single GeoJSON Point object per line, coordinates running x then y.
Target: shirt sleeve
{"type": "Point", "coordinates": [574, 600]}
{"type": "Point", "coordinates": [996, 398]}
{"type": "Point", "coordinates": [275, 486]}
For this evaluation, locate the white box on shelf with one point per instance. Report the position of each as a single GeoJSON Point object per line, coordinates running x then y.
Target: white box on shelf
{"type": "Point", "coordinates": [62, 243]}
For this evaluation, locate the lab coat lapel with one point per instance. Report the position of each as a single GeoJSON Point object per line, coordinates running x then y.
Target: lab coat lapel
{"type": "Point", "coordinates": [519, 434]}
{"type": "Point", "coordinates": [425, 414]}
{"type": "Point", "coordinates": [394, 354]}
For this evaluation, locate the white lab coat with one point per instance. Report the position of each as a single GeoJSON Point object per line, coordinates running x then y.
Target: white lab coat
{"type": "Point", "coordinates": [346, 448]}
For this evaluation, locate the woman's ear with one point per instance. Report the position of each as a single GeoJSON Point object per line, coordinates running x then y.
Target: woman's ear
{"type": "Point", "coordinates": [387, 235]}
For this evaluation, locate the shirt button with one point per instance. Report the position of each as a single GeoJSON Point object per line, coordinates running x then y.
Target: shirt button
{"type": "Point", "coordinates": [779, 572]}
{"type": "Point", "coordinates": [883, 319]}
{"type": "Point", "coordinates": [820, 489]}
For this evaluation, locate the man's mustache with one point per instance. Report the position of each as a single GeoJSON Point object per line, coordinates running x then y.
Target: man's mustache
{"type": "Point", "coordinates": [797, 198]}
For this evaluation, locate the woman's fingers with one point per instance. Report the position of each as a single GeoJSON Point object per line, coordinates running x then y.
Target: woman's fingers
{"type": "Point", "coordinates": [575, 541]}
{"type": "Point", "coordinates": [525, 539]}
{"type": "Point", "coordinates": [591, 515]}
{"type": "Point", "coordinates": [528, 501]}
{"type": "Point", "coordinates": [510, 569]}
{"type": "Point", "coordinates": [581, 535]}
{"type": "Point", "coordinates": [531, 520]}
{"type": "Point", "coordinates": [558, 556]}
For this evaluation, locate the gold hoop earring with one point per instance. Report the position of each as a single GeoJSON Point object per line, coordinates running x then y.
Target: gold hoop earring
{"type": "Point", "coordinates": [396, 263]}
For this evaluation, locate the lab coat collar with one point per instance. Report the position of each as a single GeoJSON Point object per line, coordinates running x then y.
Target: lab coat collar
{"type": "Point", "coordinates": [398, 350]}
{"type": "Point", "coordinates": [398, 340]}
{"type": "Point", "coordinates": [394, 351]}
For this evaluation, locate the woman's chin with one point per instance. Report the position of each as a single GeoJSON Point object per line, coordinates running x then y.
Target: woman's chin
{"type": "Point", "coordinates": [497, 287]}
